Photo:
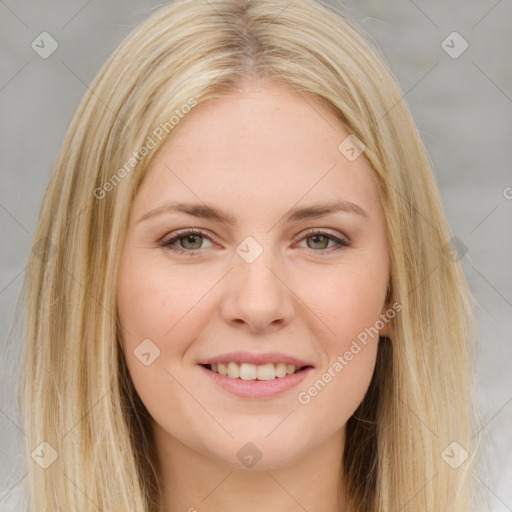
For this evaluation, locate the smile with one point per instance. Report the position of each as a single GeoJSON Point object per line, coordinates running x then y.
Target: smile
{"type": "Point", "coordinates": [248, 371]}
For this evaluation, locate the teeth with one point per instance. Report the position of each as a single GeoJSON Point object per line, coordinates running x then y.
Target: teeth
{"type": "Point", "coordinates": [247, 371]}
{"type": "Point", "coordinates": [266, 371]}
{"type": "Point", "coordinates": [233, 370]}
{"type": "Point", "coordinates": [281, 370]}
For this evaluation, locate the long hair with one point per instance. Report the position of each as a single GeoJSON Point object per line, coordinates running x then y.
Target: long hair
{"type": "Point", "coordinates": [76, 395]}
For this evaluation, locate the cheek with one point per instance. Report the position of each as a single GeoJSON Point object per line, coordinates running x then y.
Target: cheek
{"type": "Point", "coordinates": [338, 389]}
{"type": "Point", "coordinates": [347, 300]}
{"type": "Point", "coordinates": [154, 300]}
{"type": "Point", "coordinates": [154, 308]}
{"type": "Point", "coordinates": [349, 347]}
{"type": "Point", "coordinates": [149, 306]}
{"type": "Point", "coordinates": [348, 305]}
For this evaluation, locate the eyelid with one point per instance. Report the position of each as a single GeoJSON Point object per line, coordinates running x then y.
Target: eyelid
{"type": "Point", "coordinates": [326, 231]}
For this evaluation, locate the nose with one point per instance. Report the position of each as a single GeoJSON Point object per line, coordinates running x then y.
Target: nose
{"type": "Point", "coordinates": [257, 295]}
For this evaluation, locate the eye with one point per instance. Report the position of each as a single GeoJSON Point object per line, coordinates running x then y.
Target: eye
{"type": "Point", "coordinates": [189, 239]}
{"type": "Point", "coordinates": [320, 240]}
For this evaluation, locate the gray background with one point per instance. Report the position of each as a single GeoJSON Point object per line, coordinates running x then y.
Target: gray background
{"type": "Point", "coordinates": [463, 107]}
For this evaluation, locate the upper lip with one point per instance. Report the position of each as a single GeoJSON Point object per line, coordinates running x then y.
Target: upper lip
{"type": "Point", "coordinates": [253, 358]}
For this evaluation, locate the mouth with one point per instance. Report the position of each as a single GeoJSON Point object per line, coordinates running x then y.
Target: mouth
{"type": "Point", "coordinates": [248, 371]}
{"type": "Point", "coordinates": [250, 374]}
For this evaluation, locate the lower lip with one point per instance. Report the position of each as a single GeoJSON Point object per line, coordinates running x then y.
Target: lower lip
{"type": "Point", "coordinates": [257, 388]}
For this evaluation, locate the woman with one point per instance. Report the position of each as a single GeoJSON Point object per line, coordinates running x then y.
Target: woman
{"type": "Point", "coordinates": [311, 348]}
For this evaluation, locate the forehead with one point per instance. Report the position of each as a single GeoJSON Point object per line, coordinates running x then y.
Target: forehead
{"type": "Point", "coordinates": [266, 145]}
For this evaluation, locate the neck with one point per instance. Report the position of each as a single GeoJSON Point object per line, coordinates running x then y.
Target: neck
{"type": "Point", "coordinates": [191, 481]}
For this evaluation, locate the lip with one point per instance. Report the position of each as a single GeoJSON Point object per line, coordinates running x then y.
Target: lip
{"type": "Point", "coordinates": [253, 358]}
{"type": "Point", "coordinates": [257, 388]}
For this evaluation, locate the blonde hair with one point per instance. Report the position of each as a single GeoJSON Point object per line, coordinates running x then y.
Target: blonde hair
{"type": "Point", "coordinates": [75, 390]}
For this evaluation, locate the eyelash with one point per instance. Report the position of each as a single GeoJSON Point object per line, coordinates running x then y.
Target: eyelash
{"type": "Point", "coordinates": [167, 243]}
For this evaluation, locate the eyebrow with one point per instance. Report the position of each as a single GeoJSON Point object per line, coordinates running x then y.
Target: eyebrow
{"type": "Point", "coordinates": [297, 213]}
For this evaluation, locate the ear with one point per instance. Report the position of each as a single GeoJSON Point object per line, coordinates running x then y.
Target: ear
{"type": "Point", "coordinates": [387, 314]}
{"type": "Point", "coordinates": [387, 329]}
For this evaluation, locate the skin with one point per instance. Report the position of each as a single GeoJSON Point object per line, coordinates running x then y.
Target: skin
{"type": "Point", "coordinates": [254, 154]}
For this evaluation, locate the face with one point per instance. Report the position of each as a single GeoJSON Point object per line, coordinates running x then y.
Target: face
{"type": "Point", "coordinates": [262, 273]}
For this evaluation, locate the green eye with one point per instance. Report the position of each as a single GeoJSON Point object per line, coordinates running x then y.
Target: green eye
{"type": "Point", "coordinates": [190, 241]}
{"type": "Point", "coordinates": [195, 241]}
{"type": "Point", "coordinates": [320, 242]}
